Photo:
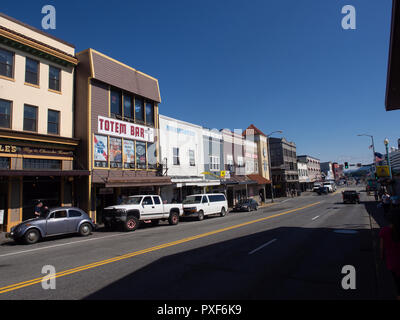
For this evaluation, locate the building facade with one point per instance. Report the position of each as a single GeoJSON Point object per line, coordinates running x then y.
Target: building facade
{"type": "Point", "coordinates": [284, 166]}
{"type": "Point", "coordinates": [182, 156]}
{"type": "Point", "coordinates": [327, 171]}
{"type": "Point", "coordinates": [262, 176]}
{"type": "Point", "coordinates": [304, 179]}
{"type": "Point", "coordinates": [37, 144]}
{"type": "Point", "coordinates": [313, 169]}
{"type": "Point", "coordinates": [117, 121]}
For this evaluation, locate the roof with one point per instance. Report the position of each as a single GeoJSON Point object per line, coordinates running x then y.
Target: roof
{"type": "Point", "coordinates": [256, 130]}
{"type": "Point", "coordinates": [235, 179]}
{"type": "Point", "coordinates": [258, 178]}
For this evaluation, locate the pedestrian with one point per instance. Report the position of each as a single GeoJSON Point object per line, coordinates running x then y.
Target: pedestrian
{"type": "Point", "coordinates": [39, 209]}
{"type": "Point", "coordinates": [390, 249]}
{"type": "Point", "coordinates": [386, 202]}
{"type": "Point", "coordinates": [376, 195]}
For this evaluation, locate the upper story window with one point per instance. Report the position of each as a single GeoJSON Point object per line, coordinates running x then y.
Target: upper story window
{"type": "Point", "coordinates": [128, 106]}
{"type": "Point", "coordinates": [176, 156]}
{"type": "Point", "coordinates": [149, 113]}
{"type": "Point", "coordinates": [30, 118]}
{"type": "Point", "coordinates": [5, 114]}
{"type": "Point", "coordinates": [191, 158]}
{"type": "Point", "coordinates": [53, 122]}
{"type": "Point", "coordinates": [6, 63]}
{"type": "Point", "coordinates": [115, 103]}
{"type": "Point", "coordinates": [139, 113]}
{"type": "Point", "coordinates": [54, 78]}
{"type": "Point", "coordinates": [32, 71]}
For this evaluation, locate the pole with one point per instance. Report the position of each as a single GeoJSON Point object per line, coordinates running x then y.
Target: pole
{"type": "Point", "coordinates": [270, 170]}
{"type": "Point", "coordinates": [388, 160]}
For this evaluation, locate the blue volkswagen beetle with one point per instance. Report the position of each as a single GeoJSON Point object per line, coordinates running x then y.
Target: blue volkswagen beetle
{"type": "Point", "coordinates": [56, 221]}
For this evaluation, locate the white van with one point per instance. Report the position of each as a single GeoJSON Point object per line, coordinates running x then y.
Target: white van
{"type": "Point", "coordinates": [200, 205]}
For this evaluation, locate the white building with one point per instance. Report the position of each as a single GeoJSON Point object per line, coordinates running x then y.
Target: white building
{"type": "Point", "coordinates": [182, 155]}
{"type": "Point", "coordinates": [304, 179]}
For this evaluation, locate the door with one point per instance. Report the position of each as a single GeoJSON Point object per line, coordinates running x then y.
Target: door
{"type": "Point", "coordinates": [158, 206]}
{"type": "Point", "coordinates": [205, 204]}
{"type": "Point", "coordinates": [57, 223]}
{"type": "Point", "coordinates": [148, 207]}
{"type": "Point", "coordinates": [74, 217]}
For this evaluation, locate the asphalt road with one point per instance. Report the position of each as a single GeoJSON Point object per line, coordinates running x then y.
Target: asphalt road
{"type": "Point", "coordinates": [290, 250]}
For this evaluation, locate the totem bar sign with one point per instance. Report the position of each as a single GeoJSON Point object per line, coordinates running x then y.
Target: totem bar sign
{"type": "Point", "coordinates": [123, 129]}
{"type": "Point", "coordinates": [7, 148]}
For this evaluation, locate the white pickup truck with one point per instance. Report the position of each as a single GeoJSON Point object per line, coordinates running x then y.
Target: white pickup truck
{"type": "Point", "coordinates": [148, 208]}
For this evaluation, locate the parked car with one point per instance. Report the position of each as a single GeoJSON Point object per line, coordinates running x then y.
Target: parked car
{"type": "Point", "coordinates": [351, 196]}
{"type": "Point", "coordinates": [56, 221]}
{"type": "Point", "coordinates": [148, 208]}
{"type": "Point", "coordinates": [201, 205]}
{"type": "Point", "coordinates": [331, 186]}
{"type": "Point", "coordinates": [246, 205]}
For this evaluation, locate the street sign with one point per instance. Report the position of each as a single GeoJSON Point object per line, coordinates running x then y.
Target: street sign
{"type": "Point", "coordinates": [382, 171]}
{"type": "Point", "coordinates": [222, 175]}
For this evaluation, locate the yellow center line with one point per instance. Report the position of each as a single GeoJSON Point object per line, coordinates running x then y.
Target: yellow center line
{"type": "Point", "coordinates": [20, 285]}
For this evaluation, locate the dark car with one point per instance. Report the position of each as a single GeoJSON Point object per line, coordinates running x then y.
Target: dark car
{"type": "Point", "coordinates": [351, 196]}
{"type": "Point", "coordinates": [323, 190]}
{"type": "Point", "coordinates": [56, 221]}
{"type": "Point", "coordinates": [246, 205]}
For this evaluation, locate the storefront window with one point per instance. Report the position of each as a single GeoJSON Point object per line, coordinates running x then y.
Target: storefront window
{"type": "Point", "coordinates": [128, 112]}
{"type": "Point", "coordinates": [115, 103]}
{"type": "Point", "coordinates": [4, 163]}
{"type": "Point", "coordinates": [149, 113]}
{"type": "Point", "coordinates": [152, 155]}
{"type": "Point", "coordinates": [139, 114]}
{"type": "Point", "coordinates": [100, 151]}
{"type": "Point", "coordinates": [129, 154]}
{"type": "Point", "coordinates": [39, 164]}
{"type": "Point", "coordinates": [115, 153]}
{"type": "Point", "coordinates": [140, 155]}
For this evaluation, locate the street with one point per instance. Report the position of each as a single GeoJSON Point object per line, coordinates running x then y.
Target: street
{"type": "Point", "coordinates": [294, 249]}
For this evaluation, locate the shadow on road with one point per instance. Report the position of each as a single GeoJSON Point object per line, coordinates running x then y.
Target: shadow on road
{"type": "Point", "coordinates": [303, 263]}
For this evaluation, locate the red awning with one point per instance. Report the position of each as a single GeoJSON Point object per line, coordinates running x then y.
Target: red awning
{"type": "Point", "coordinates": [259, 179]}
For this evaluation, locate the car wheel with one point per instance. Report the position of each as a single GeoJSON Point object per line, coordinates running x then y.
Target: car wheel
{"type": "Point", "coordinates": [200, 215]}
{"type": "Point", "coordinates": [131, 224]}
{"type": "Point", "coordinates": [173, 218]}
{"type": "Point", "coordinates": [223, 212]}
{"type": "Point", "coordinates": [32, 236]}
{"type": "Point", "coordinates": [85, 229]}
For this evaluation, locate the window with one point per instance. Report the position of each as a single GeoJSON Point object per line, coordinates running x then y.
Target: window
{"type": "Point", "coordinates": [147, 201]}
{"type": "Point", "coordinates": [4, 163]}
{"type": "Point", "coordinates": [100, 151]}
{"type": "Point", "coordinates": [149, 113]}
{"type": "Point", "coordinates": [128, 111]}
{"type": "Point", "coordinates": [151, 156]}
{"type": "Point", "coordinates": [53, 122]}
{"type": "Point", "coordinates": [32, 71]}
{"type": "Point", "coordinates": [39, 164]}
{"type": "Point", "coordinates": [30, 118]}
{"type": "Point", "coordinates": [141, 155]}
{"type": "Point", "coordinates": [156, 200]}
{"type": "Point", "coordinates": [214, 163]}
{"type": "Point", "coordinates": [139, 114]}
{"type": "Point", "coordinates": [191, 158]}
{"type": "Point", "coordinates": [176, 156]}
{"type": "Point", "coordinates": [59, 214]}
{"type": "Point", "coordinates": [74, 213]}
{"type": "Point", "coordinates": [205, 200]}
{"type": "Point", "coordinates": [115, 103]}
{"type": "Point", "coordinates": [129, 154]}
{"type": "Point", "coordinates": [5, 113]}
{"type": "Point", "coordinates": [216, 198]}
{"type": "Point", "coordinates": [6, 63]}
{"type": "Point", "coordinates": [54, 78]}
{"type": "Point", "coordinates": [115, 153]}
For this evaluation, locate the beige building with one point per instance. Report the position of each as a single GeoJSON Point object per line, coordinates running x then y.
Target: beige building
{"type": "Point", "coordinates": [36, 121]}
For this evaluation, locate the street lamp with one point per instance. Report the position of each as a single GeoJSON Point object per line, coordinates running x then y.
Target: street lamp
{"type": "Point", "coordinates": [373, 147]}
{"type": "Point", "coordinates": [386, 142]}
{"type": "Point", "coordinates": [269, 163]}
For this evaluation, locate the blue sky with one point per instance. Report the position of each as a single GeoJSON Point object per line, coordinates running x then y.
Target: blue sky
{"type": "Point", "coordinates": [281, 65]}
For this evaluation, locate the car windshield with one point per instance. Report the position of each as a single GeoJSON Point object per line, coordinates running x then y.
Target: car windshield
{"type": "Point", "coordinates": [192, 200]}
{"type": "Point", "coordinates": [132, 200]}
